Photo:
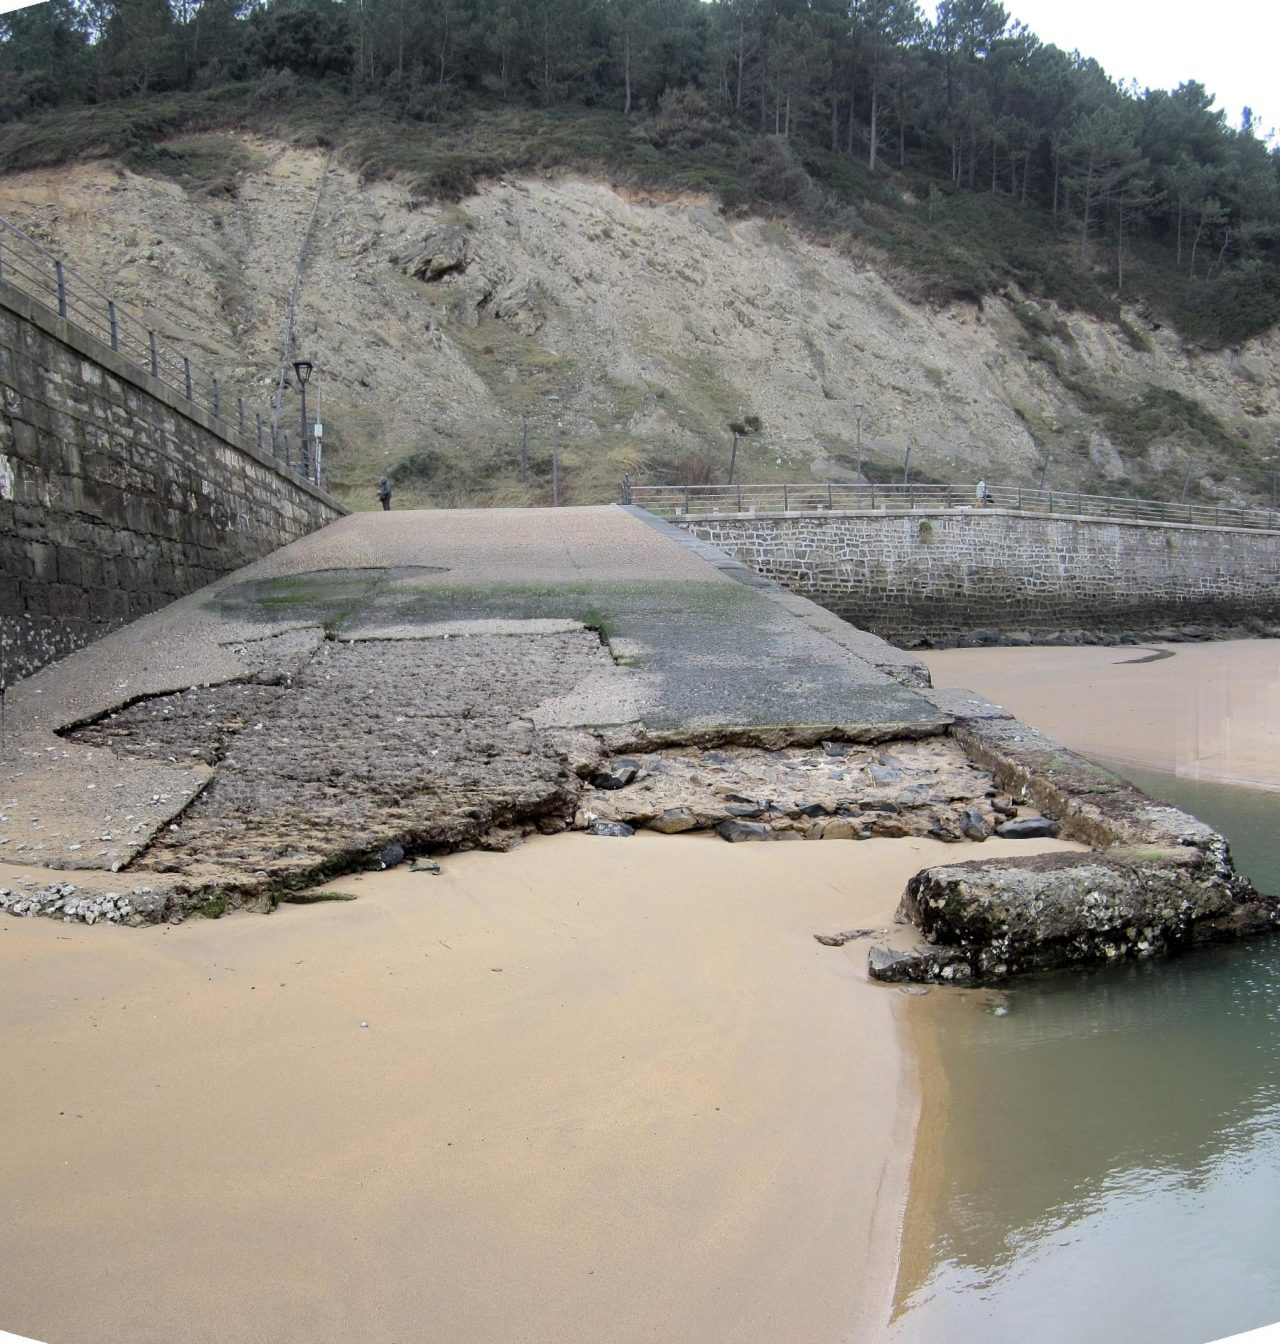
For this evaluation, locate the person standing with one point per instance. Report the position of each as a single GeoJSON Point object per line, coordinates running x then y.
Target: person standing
{"type": "Point", "coordinates": [982, 495]}
{"type": "Point", "coordinates": [384, 494]}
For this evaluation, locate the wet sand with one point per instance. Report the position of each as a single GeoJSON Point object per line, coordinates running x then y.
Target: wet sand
{"type": "Point", "coordinates": [1210, 711]}
{"type": "Point", "coordinates": [607, 1090]}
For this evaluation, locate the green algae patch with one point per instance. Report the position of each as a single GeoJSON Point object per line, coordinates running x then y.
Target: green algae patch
{"type": "Point", "coordinates": [313, 897]}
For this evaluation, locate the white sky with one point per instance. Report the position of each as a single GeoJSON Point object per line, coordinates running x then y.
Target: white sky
{"type": "Point", "coordinates": [1231, 46]}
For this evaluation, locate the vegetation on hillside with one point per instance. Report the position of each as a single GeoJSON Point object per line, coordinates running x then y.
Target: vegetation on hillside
{"type": "Point", "coordinates": [970, 154]}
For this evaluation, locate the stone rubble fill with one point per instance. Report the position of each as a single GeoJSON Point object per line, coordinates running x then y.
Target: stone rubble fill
{"type": "Point", "coordinates": [65, 901]}
{"type": "Point", "coordinates": [834, 791]}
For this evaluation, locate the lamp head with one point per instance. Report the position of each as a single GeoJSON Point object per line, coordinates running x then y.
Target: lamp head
{"type": "Point", "coordinates": [302, 367]}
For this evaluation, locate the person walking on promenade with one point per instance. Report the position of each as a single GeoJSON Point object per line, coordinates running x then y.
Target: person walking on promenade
{"type": "Point", "coordinates": [982, 495]}
{"type": "Point", "coordinates": [384, 493]}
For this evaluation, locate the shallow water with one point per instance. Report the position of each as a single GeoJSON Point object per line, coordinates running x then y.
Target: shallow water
{"type": "Point", "coordinates": [1105, 1154]}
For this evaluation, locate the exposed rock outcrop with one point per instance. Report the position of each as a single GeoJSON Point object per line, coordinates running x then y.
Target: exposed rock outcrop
{"type": "Point", "coordinates": [444, 250]}
{"type": "Point", "coordinates": [705, 315]}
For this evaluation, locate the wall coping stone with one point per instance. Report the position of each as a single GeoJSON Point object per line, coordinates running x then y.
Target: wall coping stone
{"type": "Point", "coordinates": [683, 520]}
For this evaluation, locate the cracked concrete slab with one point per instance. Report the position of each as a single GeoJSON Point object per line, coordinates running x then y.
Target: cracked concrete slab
{"type": "Point", "coordinates": [440, 675]}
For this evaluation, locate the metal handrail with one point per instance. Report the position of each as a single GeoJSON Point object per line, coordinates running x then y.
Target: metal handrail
{"type": "Point", "coordinates": [702, 500]}
{"type": "Point", "coordinates": [35, 271]}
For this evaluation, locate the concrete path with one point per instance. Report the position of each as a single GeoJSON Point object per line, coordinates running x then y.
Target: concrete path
{"type": "Point", "coordinates": [497, 632]}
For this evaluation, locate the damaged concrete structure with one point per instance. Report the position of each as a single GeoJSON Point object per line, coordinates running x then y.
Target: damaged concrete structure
{"type": "Point", "coordinates": [406, 684]}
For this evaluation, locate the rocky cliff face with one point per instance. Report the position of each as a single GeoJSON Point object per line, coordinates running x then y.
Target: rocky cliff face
{"type": "Point", "coordinates": [656, 322]}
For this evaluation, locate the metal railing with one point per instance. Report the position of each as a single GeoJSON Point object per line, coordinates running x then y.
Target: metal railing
{"type": "Point", "coordinates": [36, 272]}
{"type": "Point", "coordinates": [701, 500]}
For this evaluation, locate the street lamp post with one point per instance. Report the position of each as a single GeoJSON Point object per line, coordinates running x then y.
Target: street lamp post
{"type": "Point", "coordinates": [302, 368]}
{"type": "Point", "coordinates": [555, 450]}
{"type": "Point", "coordinates": [857, 411]}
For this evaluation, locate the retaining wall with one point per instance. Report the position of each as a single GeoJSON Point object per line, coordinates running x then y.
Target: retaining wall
{"type": "Point", "coordinates": [116, 494]}
{"type": "Point", "coordinates": [937, 575]}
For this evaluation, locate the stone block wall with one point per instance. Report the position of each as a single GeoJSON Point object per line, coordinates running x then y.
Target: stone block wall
{"type": "Point", "coordinates": [938, 575]}
{"type": "Point", "coordinates": [116, 494]}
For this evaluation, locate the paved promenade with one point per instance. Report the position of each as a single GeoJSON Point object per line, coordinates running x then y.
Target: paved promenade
{"type": "Point", "coordinates": [425, 672]}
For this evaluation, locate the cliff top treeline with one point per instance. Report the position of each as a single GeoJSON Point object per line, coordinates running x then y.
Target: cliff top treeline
{"type": "Point", "coordinates": [962, 148]}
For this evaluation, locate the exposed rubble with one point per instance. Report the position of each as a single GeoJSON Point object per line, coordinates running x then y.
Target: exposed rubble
{"type": "Point", "coordinates": [1156, 880]}
{"type": "Point", "coordinates": [836, 791]}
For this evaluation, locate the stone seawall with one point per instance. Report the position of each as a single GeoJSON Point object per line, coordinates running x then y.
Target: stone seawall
{"type": "Point", "coordinates": [938, 575]}
{"type": "Point", "coordinates": [116, 494]}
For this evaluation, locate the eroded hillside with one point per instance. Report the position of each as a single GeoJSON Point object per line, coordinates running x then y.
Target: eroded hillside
{"type": "Point", "coordinates": [657, 322]}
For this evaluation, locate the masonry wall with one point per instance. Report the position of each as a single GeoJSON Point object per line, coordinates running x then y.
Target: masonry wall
{"type": "Point", "coordinates": [940, 575]}
{"type": "Point", "coordinates": [116, 495]}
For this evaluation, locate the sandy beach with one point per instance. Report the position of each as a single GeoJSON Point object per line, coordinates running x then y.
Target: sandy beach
{"type": "Point", "coordinates": [607, 1090]}
{"type": "Point", "coordinates": [1203, 711]}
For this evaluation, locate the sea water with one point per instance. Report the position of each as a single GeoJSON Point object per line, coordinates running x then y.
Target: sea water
{"type": "Point", "coordinates": [1106, 1144]}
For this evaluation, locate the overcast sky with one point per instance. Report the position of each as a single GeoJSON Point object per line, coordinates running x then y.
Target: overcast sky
{"type": "Point", "coordinates": [1231, 46]}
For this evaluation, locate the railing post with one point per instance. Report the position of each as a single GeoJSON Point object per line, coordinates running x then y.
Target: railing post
{"type": "Point", "coordinates": [62, 289]}
{"type": "Point", "coordinates": [287, 460]}
{"type": "Point", "coordinates": [739, 499]}
{"type": "Point", "coordinates": [155, 355]}
{"type": "Point", "coordinates": [258, 417]}
{"type": "Point", "coordinates": [786, 502]}
{"type": "Point", "coordinates": [830, 505]}
{"type": "Point", "coordinates": [240, 409]}
{"type": "Point", "coordinates": [275, 450]}
{"type": "Point", "coordinates": [186, 368]}
{"type": "Point", "coordinates": [217, 399]}
{"type": "Point", "coordinates": [113, 324]}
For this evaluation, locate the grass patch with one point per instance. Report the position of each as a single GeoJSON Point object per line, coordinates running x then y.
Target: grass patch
{"type": "Point", "coordinates": [210, 165]}
{"type": "Point", "coordinates": [124, 129]}
{"type": "Point", "coordinates": [1039, 325]}
{"type": "Point", "coordinates": [1158, 413]}
{"type": "Point", "coordinates": [1138, 339]}
{"type": "Point", "coordinates": [595, 619]}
